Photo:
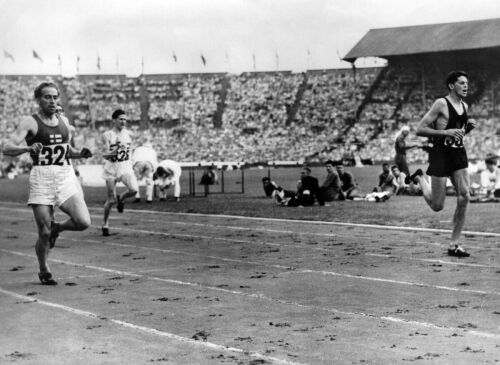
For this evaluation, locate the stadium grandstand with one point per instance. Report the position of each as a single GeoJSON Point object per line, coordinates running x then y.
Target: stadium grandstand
{"type": "Point", "coordinates": [254, 117]}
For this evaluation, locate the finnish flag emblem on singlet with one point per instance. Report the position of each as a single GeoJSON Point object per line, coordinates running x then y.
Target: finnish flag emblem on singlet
{"type": "Point", "coordinates": [55, 138]}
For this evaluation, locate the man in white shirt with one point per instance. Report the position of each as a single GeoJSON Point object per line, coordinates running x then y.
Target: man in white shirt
{"type": "Point", "coordinates": [168, 173]}
{"type": "Point", "coordinates": [490, 177]}
{"type": "Point", "coordinates": [145, 163]}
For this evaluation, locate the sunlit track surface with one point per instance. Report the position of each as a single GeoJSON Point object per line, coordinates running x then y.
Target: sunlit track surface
{"type": "Point", "coordinates": [261, 291]}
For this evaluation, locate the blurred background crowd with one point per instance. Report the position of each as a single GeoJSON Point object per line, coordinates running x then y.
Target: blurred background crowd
{"type": "Point", "coordinates": [339, 114]}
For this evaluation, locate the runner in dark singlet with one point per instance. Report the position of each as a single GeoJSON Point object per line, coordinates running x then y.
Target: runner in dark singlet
{"type": "Point", "coordinates": [447, 123]}
{"type": "Point", "coordinates": [52, 178]}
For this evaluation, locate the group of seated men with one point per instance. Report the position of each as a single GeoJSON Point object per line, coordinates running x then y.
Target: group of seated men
{"type": "Point", "coordinates": [395, 182]}
{"type": "Point", "coordinates": [338, 185]}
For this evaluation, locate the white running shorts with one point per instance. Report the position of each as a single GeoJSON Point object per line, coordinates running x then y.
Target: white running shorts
{"type": "Point", "coordinates": [121, 171]}
{"type": "Point", "coordinates": [52, 185]}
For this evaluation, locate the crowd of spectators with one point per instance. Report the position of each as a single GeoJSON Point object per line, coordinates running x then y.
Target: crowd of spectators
{"type": "Point", "coordinates": [93, 99]}
{"type": "Point", "coordinates": [190, 100]}
{"type": "Point", "coordinates": [262, 119]}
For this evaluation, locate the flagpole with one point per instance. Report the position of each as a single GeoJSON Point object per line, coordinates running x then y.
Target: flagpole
{"type": "Point", "coordinates": [60, 64]}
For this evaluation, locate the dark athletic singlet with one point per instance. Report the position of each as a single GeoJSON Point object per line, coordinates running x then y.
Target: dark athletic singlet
{"type": "Point", "coordinates": [55, 150]}
{"type": "Point", "coordinates": [455, 121]}
{"type": "Point", "coordinates": [448, 154]}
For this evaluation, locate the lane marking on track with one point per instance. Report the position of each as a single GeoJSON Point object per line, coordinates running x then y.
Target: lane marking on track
{"type": "Point", "coordinates": [309, 247]}
{"type": "Point", "coordinates": [295, 269]}
{"type": "Point", "coordinates": [336, 235]}
{"type": "Point", "coordinates": [266, 298]}
{"type": "Point", "coordinates": [332, 223]}
{"type": "Point", "coordinates": [299, 221]}
{"type": "Point", "coordinates": [400, 282]}
{"type": "Point", "coordinates": [148, 330]}
{"type": "Point", "coordinates": [444, 262]}
{"type": "Point", "coordinates": [437, 261]}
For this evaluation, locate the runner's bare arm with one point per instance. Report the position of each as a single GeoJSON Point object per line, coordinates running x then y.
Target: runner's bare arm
{"type": "Point", "coordinates": [471, 122]}
{"type": "Point", "coordinates": [14, 146]}
{"type": "Point", "coordinates": [425, 129]}
{"type": "Point", "coordinates": [107, 154]}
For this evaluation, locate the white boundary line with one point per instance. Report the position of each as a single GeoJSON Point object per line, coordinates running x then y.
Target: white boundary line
{"type": "Point", "coordinates": [333, 223]}
{"type": "Point", "coordinates": [400, 282]}
{"type": "Point", "coordinates": [264, 297]}
{"type": "Point", "coordinates": [287, 269]}
{"type": "Point", "coordinates": [148, 330]}
{"type": "Point", "coordinates": [322, 249]}
{"type": "Point", "coordinates": [267, 230]}
{"type": "Point", "coordinates": [298, 221]}
{"type": "Point", "coordinates": [279, 301]}
{"type": "Point", "coordinates": [276, 266]}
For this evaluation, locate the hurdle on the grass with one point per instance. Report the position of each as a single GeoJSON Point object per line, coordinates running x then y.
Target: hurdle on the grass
{"type": "Point", "coordinates": [221, 166]}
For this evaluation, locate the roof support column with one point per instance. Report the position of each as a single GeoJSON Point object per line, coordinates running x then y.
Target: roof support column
{"type": "Point", "coordinates": [422, 78]}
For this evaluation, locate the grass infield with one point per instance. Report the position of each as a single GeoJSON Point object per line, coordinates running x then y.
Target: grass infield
{"type": "Point", "coordinates": [399, 210]}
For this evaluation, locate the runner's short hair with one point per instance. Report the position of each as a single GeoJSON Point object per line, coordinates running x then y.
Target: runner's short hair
{"type": "Point", "coordinates": [453, 77]}
{"type": "Point", "coordinates": [43, 85]}
{"type": "Point", "coordinates": [117, 113]}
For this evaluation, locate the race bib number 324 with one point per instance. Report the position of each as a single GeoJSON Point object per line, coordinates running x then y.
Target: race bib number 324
{"type": "Point", "coordinates": [57, 154]}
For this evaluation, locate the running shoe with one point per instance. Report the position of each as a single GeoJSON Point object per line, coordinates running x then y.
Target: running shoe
{"type": "Point", "coordinates": [458, 251]}
{"type": "Point", "coordinates": [105, 231]}
{"type": "Point", "coordinates": [46, 278]}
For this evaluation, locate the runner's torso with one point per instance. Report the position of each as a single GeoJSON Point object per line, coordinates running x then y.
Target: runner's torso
{"type": "Point", "coordinates": [455, 121]}
{"type": "Point", "coordinates": [55, 141]}
{"type": "Point", "coordinates": [122, 141]}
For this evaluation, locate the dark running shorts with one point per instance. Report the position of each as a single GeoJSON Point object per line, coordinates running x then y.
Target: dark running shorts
{"type": "Point", "coordinates": [443, 161]}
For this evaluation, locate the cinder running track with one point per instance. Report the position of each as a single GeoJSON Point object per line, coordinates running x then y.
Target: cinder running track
{"type": "Point", "coordinates": [204, 289]}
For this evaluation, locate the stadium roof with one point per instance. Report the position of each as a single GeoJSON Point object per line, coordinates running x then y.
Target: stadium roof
{"type": "Point", "coordinates": [421, 39]}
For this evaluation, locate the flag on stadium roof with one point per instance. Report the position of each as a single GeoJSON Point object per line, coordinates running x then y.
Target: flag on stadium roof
{"type": "Point", "coordinates": [203, 60]}
{"type": "Point", "coordinates": [59, 59]}
{"type": "Point", "coordinates": [254, 63]}
{"type": "Point", "coordinates": [277, 56]}
{"type": "Point", "coordinates": [8, 55]}
{"type": "Point", "coordinates": [37, 56]}
{"type": "Point", "coordinates": [98, 63]}
{"type": "Point", "coordinates": [174, 56]}
{"type": "Point", "coordinates": [77, 64]}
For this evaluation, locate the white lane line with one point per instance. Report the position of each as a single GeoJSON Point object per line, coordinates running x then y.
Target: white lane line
{"type": "Point", "coordinates": [337, 235]}
{"type": "Point", "coordinates": [283, 267]}
{"type": "Point", "coordinates": [282, 245]}
{"type": "Point", "coordinates": [149, 330]}
{"type": "Point", "coordinates": [299, 221]}
{"type": "Point", "coordinates": [400, 282]}
{"type": "Point", "coordinates": [436, 261]}
{"type": "Point", "coordinates": [260, 263]}
{"type": "Point", "coordinates": [321, 272]}
{"type": "Point", "coordinates": [267, 298]}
